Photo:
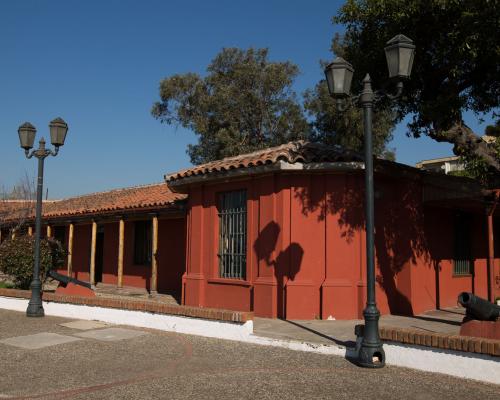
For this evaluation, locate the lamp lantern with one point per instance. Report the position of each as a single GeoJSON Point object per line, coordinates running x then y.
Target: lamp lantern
{"type": "Point", "coordinates": [27, 134]}
{"type": "Point", "coordinates": [338, 77]}
{"type": "Point", "coordinates": [399, 54]}
{"type": "Point", "coordinates": [58, 130]}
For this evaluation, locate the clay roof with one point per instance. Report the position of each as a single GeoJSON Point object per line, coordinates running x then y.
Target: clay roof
{"type": "Point", "coordinates": [133, 198]}
{"type": "Point", "coordinates": [16, 209]}
{"type": "Point", "coordinates": [293, 152]}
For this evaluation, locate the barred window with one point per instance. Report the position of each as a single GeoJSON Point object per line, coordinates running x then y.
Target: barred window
{"type": "Point", "coordinates": [142, 242]}
{"type": "Point", "coordinates": [462, 260]}
{"type": "Point", "coordinates": [233, 234]}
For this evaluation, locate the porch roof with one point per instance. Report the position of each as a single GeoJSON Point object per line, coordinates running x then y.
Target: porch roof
{"type": "Point", "coordinates": [136, 198]}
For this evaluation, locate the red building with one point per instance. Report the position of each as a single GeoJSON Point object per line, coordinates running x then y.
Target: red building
{"type": "Point", "coordinates": [132, 237]}
{"type": "Point", "coordinates": [281, 232]}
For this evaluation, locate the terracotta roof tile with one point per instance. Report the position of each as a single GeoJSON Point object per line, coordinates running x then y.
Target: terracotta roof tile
{"type": "Point", "coordinates": [148, 196]}
{"type": "Point", "coordinates": [293, 152]}
{"type": "Point", "coordinates": [16, 209]}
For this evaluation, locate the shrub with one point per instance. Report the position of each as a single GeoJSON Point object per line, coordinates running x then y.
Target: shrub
{"type": "Point", "coordinates": [17, 258]}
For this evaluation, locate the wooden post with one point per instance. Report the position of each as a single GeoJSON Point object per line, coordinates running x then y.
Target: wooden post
{"type": "Point", "coordinates": [49, 231]}
{"type": "Point", "coordinates": [70, 249]}
{"type": "Point", "coordinates": [491, 259]}
{"type": "Point", "coordinates": [92, 253]}
{"type": "Point", "coordinates": [154, 261]}
{"type": "Point", "coordinates": [30, 231]}
{"type": "Point", "coordinates": [121, 240]}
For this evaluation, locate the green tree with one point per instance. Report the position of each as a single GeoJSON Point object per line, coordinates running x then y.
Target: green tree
{"type": "Point", "coordinates": [244, 103]}
{"type": "Point", "coordinates": [346, 128]}
{"type": "Point", "coordinates": [17, 258]}
{"type": "Point", "coordinates": [456, 68]}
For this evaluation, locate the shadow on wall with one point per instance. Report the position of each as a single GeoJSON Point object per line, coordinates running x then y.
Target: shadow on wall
{"type": "Point", "coordinates": [286, 264]}
{"type": "Point", "coordinates": [400, 239]}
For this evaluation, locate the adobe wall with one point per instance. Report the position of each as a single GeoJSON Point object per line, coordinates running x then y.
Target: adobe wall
{"type": "Point", "coordinates": [82, 236]}
{"type": "Point", "coordinates": [304, 254]}
{"type": "Point", "coordinates": [306, 249]}
{"type": "Point", "coordinates": [171, 255]}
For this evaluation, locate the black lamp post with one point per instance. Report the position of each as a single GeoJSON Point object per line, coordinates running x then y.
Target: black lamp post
{"type": "Point", "coordinates": [399, 54]}
{"type": "Point", "coordinates": [58, 130]}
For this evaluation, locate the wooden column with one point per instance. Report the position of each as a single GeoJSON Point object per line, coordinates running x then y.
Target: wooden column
{"type": "Point", "coordinates": [491, 260]}
{"type": "Point", "coordinates": [70, 249]}
{"type": "Point", "coordinates": [49, 231]}
{"type": "Point", "coordinates": [154, 261]}
{"type": "Point", "coordinates": [121, 241]}
{"type": "Point", "coordinates": [30, 231]}
{"type": "Point", "coordinates": [92, 253]}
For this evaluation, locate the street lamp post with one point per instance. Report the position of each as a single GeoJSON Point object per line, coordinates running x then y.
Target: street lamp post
{"type": "Point", "coordinates": [27, 132]}
{"type": "Point", "coordinates": [399, 53]}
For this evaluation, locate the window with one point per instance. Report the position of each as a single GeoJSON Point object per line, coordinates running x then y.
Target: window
{"type": "Point", "coordinates": [233, 234]}
{"type": "Point", "coordinates": [462, 262]}
{"type": "Point", "coordinates": [60, 234]}
{"type": "Point", "coordinates": [142, 243]}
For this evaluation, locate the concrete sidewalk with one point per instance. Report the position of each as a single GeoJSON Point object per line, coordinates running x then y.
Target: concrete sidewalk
{"type": "Point", "coordinates": [445, 321]}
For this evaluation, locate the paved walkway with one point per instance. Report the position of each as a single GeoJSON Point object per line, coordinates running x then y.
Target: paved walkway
{"type": "Point", "coordinates": [342, 332]}
{"type": "Point", "coordinates": [111, 291]}
{"type": "Point", "coordinates": [57, 358]}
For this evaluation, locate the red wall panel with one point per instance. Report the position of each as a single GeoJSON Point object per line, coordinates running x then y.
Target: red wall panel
{"type": "Point", "coordinates": [82, 236]}
{"type": "Point", "coordinates": [171, 255]}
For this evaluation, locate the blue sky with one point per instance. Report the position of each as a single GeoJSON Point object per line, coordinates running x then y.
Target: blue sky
{"type": "Point", "coordinates": [98, 65]}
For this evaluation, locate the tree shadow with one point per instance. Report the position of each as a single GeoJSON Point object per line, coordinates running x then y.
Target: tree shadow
{"type": "Point", "coordinates": [285, 265]}
{"type": "Point", "coordinates": [400, 238]}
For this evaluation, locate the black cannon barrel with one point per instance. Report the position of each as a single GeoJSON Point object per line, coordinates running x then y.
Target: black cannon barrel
{"type": "Point", "coordinates": [478, 308]}
{"type": "Point", "coordinates": [66, 279]}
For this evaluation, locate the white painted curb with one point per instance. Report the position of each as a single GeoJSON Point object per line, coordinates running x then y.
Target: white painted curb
{"type": "Point", "coordinates": [170, 323]}
{"type": "Point", "coordinates": [480, 367]}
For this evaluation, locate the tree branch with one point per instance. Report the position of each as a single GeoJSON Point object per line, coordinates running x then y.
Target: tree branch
{"type": "Point", "coordinates": [465, 141]}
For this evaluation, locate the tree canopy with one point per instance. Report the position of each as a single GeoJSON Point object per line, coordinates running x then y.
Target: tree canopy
{"type": "Point", "coordinates": [456, 68]}
{"type": "Point", "coordinates": [346, 128]}
{"type": "Point", "coordinates": [244, 103]}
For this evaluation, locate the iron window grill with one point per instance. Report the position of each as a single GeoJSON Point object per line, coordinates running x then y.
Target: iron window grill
{"type": "Point", "coordinates": [462, 260]}
{"type": "Point", "coordinates": [232, 234]}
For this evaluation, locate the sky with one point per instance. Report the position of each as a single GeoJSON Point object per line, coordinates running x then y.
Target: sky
{"type": "Point", "coordinates": [98, 65]}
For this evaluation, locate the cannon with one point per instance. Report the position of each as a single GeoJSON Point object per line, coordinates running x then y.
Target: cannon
{"type": "Point", "coordinates": [478, 308]}
{"type": "Point", "coordinates": [64, 280]}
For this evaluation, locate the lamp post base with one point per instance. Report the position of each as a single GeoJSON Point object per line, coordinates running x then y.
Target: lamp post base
{"type": "Point", "coordinates": [35, 306]}
{"type": "Point", "coordinates": [35, 310]}
{"type": "Point", "coordinates": [371, 356]}
{"type": "Point", "coordinates": [369, 349]}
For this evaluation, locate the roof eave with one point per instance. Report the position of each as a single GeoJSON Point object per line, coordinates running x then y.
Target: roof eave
{"type": "Point", "coordinates": [181, 185]}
